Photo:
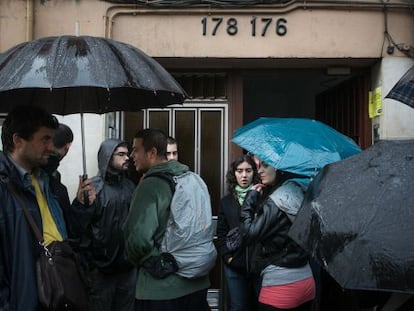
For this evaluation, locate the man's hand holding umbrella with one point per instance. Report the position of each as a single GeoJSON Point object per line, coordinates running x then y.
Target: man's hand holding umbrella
{"type": "Point", "coordinates": [86, 191]}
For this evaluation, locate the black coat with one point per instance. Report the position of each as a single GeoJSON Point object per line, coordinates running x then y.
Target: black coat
{"type": "Point", "coordinates": [266, 226]}
{"type": "Point", "coordinates": [229, 218]}
{"type": "Point", "coordinates": [99, 225]}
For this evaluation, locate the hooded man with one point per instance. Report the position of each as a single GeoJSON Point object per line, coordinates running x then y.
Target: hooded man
{"type": "Point", "coordinates": [112, 278]}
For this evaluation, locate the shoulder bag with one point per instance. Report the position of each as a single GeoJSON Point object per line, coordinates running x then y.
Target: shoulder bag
{"type": "Point", "coordinates": [60, 284]}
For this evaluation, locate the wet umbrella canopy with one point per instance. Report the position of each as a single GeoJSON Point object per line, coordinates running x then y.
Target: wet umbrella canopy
{"type": "Point", "coordinates": [80, 74]}
{"type": "Point", "coordinates": [70, 74]}
{"type": "Point", "coordinates": [301, 146]}
{"type": "Point", "coordinates": [357, 218]}
{"type": "Point", "coordinates": [403, 90]}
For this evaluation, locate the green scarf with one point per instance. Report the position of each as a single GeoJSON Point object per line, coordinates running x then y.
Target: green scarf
{"type": "Point", "coordinates": [241, 192]}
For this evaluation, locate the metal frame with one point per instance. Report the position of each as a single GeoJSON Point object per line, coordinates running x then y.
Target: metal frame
{"type": "Point", "coordinates": [199, 107]}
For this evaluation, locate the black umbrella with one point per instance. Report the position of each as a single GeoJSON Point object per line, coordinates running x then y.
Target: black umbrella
{"type": "Point", "coordinates": [71, 74]}
{"type": "Point", "coordinates": [403, 90]}
{"type": "Point", "coordinates": [79, 74]}
{"type": "Point", "coordinates": [357, 218]}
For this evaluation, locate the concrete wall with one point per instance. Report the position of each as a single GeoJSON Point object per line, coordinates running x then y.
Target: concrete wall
{"type": "Point", "coordinates": [339, 32]}
{"type": "Point", "coordinates": [396, 122]}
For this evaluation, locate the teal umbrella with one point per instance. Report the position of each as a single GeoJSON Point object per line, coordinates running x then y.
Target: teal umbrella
{"type": "Point", "coordinates": [297, 145]}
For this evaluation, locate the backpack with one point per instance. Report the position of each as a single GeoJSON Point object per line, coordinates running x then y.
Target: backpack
{"type": "Point", "coordinates": [189, 233]}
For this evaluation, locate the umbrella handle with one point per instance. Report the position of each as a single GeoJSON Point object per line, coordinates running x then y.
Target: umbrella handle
{"type": "Point", "coordinates": [85, 192]}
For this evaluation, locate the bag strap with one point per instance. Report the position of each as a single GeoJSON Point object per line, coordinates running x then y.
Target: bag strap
{"type": "Point", "coordinates": [27, 214]}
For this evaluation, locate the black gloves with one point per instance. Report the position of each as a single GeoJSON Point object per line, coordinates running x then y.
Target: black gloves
{"type": "Point", "coordinates": [161, 266]}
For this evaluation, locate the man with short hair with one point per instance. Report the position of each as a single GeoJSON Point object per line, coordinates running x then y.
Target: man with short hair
{"type": "Point", "coordinates": [99, 226]}
{"type": "Point", "coordinates": [61, 141]}
{"type": "Point", "coordinates": [145, 227]}
{"type": "Point", "coordinates": [27, 137]}
{"type": "Point", "coordinates": [172, 149]}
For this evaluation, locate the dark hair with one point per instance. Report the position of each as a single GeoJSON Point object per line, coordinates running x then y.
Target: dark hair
{"type": "Point", "coordinates": [63, 136]}
{"type": "Point", "coordinates": [231, 176]}
{"type": "Point", "coordinates": [153, 138]}
{"type": "Point", "coordinates": [25, 121]}
{"type": "Point", "coordinates": [171, 141]}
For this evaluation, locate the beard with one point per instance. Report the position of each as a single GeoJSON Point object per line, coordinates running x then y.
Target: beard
{"type": "Point", "coordinates": [52, 164]}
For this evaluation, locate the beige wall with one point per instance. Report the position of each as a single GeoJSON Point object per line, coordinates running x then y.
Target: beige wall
{"type": "Point", "coordinates": [349, 34]}
{"type": "Point", "coordinates": [313, 31]}
{"type": "Point", "coordinates": [340, 31]}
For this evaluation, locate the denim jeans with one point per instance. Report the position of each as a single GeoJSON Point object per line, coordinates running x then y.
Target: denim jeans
{"type": "Point", "coordinates": [238, 285]}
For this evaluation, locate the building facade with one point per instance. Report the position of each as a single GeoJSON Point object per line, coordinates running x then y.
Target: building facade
{"type": "Point", "coordinates": [239, 60]}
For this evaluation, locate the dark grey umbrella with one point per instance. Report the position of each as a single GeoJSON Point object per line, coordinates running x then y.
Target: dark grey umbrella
{"type": "Point", "coordinates": [79, 74]}
{"type": "Point", "coordinates": [357, 218]}
{"type": "Point", "coordinates": [403, 90]}
{"type": "Point", "coordinates": [70, 74]}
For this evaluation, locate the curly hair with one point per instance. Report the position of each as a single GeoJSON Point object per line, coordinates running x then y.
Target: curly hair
{"type": "Point", "coordinates": [231, 176]}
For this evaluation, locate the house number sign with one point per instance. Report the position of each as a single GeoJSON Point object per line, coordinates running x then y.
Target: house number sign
{"type": "Point", "coordinates": [259, 26]}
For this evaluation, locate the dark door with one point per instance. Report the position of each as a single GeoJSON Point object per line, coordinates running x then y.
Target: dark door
{"type": "Point", "coordinates": [345, 108]}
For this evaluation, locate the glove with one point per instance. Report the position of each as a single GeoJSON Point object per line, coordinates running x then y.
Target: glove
{"type": "Point", "coordinates": [161, 266]}
{"type": "Point", "coordinates": [233, 239]}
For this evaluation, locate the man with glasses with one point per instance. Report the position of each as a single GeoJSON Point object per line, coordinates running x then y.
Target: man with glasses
{"type": "Point", "coordinates": [99, 226]}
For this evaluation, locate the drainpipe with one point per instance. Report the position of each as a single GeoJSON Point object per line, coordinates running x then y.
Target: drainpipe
{"type": "Point", "coordinates": [114, 11]}
{"type": "Point", "coordinates": [29, 19]}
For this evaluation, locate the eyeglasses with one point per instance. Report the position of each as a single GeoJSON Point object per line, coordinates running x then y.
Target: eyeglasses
{"type": "Point", "coordinates": [121, 154]}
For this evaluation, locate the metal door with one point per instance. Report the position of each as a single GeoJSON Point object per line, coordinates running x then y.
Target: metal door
{"type": "Point", "coordinates": [200, 130]}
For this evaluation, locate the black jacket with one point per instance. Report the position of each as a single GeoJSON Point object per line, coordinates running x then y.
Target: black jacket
{"type": "Point", "coordinates": [266, 227]}
{"type": "Point", "coordinates": [99, 226]}
{"type": "Point", "coordinates": [229, 218]}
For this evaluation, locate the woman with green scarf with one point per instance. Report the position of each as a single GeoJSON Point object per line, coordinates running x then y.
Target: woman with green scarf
{"type": "Point", "coordinates": [240, 178]}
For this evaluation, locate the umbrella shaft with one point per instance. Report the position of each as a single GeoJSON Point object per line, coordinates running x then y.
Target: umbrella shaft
{"type": "Point", "coordinates": [83, 145]}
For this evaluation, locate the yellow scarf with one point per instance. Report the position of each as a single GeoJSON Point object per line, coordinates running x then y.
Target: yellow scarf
{"type": "Point", "coordinates": [50, 230]}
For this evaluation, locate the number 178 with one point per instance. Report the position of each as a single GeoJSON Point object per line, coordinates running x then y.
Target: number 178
{"type": "Point", "coordinates": [258, 25]}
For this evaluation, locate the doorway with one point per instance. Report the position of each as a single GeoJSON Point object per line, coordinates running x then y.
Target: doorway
{"type": "Point", "coordinates": [200, 129]}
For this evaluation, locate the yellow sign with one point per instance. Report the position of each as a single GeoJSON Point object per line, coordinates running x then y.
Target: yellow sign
{"type": "Point", "coordinates": [375, 103]}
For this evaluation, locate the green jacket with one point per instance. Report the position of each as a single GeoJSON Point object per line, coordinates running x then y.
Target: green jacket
{"type": "Point", "coordinates": [144, 229]}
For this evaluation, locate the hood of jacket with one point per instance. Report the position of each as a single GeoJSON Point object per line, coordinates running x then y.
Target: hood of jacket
{"type": "Point", "coordinates": [289, 196]}
{"type": "Point", "coordinates": [105, 152]}
{"type": "Point", "coordinates": [173, 167]}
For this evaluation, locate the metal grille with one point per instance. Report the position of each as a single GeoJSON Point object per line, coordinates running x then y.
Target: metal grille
{"type": "Point", "coordinates": [203, 85]}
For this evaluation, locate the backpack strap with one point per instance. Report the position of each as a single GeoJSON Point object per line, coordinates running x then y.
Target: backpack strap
{"type": "Point", "coordinates": [166, 176]}
{"type": "Point", "coordinates": [169, 178]}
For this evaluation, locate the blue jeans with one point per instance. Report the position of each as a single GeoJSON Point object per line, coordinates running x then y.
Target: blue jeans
{"type": "Point", "coordinates": [238, 285]}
